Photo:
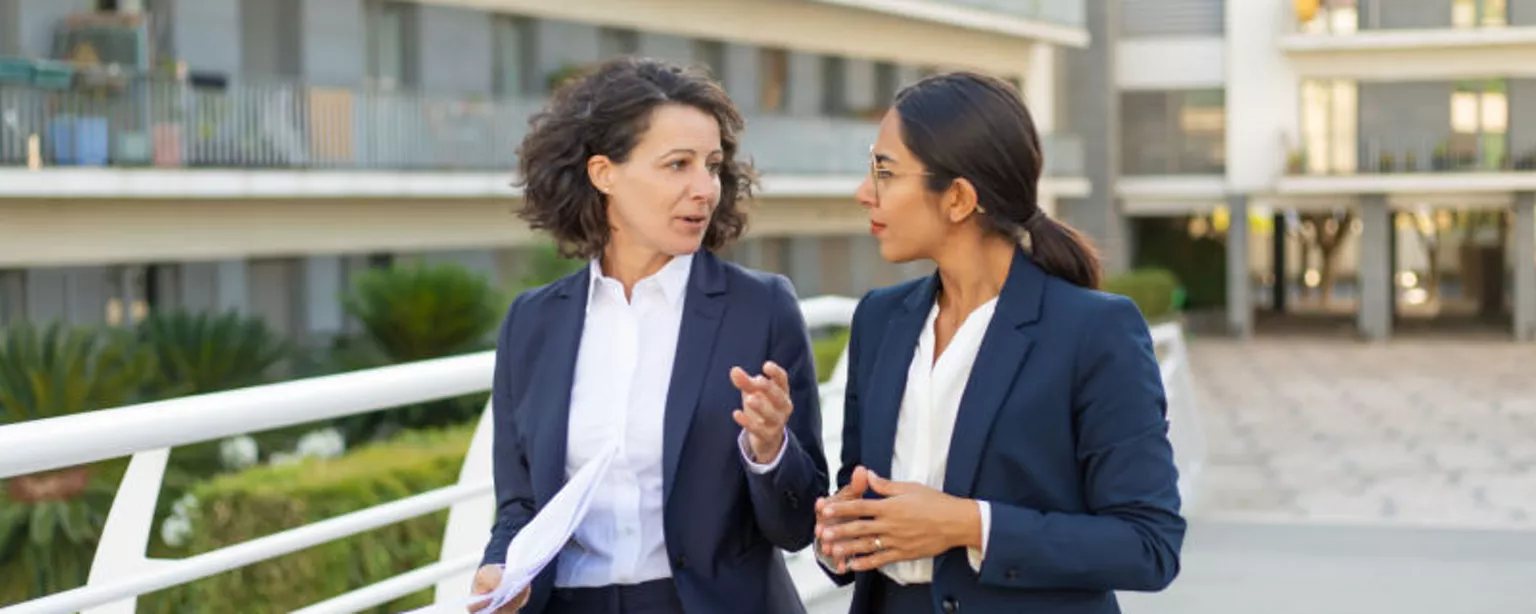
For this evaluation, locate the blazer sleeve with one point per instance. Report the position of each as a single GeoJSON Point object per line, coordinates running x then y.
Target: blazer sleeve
{"type": "Point", "coordinates": [514, 487]}
{"type": "Point", "coordinates": [784, 499]}
{"type": "Point", "coordinates": [1131, 536]}
{"type": "Point", "coordinates": [852, 455]}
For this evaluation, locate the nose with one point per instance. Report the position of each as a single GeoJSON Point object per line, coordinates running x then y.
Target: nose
{"type": "Point", "coordinates": [865, 195]}
{"type": "Point", "coordinates": [704, 186]}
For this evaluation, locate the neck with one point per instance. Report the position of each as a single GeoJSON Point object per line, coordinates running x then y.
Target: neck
{"type": "Point", "coordinates": [629, 264]}
{"type": "Point", "coordinates": [972, 271]}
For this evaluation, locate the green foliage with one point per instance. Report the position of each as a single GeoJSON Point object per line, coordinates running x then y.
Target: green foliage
{"type": "Point", "coordinates": [414, 313]}
{"type": "Point", "coordinates": [57, 371]}
{"type": "Point", "coordinates": [827, 350]}
{"type": "Point", "coordinates": [1153, 290]}
{"type": "Point", "coordinates": [547, 265]}
{"type": "Point", "coordinates": [238, 507]}
{"type": "Point", "coordinates": [49, 522]}
{"type": "Point", "coordinates": [1199, 262]}
{"type": "Point", "coordinates": [204, 352]}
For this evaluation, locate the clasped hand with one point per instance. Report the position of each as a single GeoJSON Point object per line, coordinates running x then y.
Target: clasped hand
{"type": "Point", "coordinates": [912, 522]}
{"type": "Point", "coordinates": [765, 409]}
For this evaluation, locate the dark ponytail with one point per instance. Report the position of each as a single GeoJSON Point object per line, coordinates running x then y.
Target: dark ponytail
{"type": "Point", "coordinates": [964, 124]}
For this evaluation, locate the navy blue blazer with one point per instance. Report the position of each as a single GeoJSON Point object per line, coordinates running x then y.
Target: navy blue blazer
{"type": "Point", "coordinates": [724, 525]}
{"type": "Point", "coordinates": [1061, 427]}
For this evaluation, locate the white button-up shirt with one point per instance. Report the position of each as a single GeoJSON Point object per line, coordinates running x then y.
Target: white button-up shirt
{"type": "Point", "coordinates": [619, 393]}
{"type": "Point", "coordinates": [926, 422]}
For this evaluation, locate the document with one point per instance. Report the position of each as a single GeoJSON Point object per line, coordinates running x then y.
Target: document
{"type": "Point", "coordinates": [542, 538]}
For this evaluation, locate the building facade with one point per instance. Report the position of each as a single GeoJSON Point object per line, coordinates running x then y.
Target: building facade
{"type": "Point", "coordinates": [280, 146]}
{"type": "Point", "coordinates": [1401, 135]}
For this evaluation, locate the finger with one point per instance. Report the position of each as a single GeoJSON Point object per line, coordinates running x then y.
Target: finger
{"type": "Point", "coordinates": [853, 510]}
{"type": "Point", "coordinates": [778, 375]}
{"type": "Point", "coordinates": [748, 421]}
{"type": "Point", "coordinates": [854, 529]}
{"type": "Point", "coordinates": [875, 561]}
{"type": "Point", "coordinates": [773, 417]}
{"type": "Point", "coordinates": [858, 483]}
{"type": "Point", "coordinates": [741, 380]}
{"type": "Point", "coordinates": [853, 548]}
{"type": "Point", "coordinates": [888, 488]}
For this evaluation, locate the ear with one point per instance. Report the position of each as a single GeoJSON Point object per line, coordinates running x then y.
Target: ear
{"type": "Point", "coordinates": [960, 200]}
{"type": "Point", "coordinates": [600, 171]}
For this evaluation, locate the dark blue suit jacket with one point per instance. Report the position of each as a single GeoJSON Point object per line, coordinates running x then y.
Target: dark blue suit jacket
{"type": "Point", "coordinates": [1061, 427]}
{"type": "Point", "coordinates": [724, 525]}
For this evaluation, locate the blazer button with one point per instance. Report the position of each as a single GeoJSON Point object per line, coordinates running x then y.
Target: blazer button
{"type": "Point", "coordinates": [951, 605]}
{"type": "Point", "coordinates": [1012, 574]}
{"type": "Point", "coordinates": [680, 562]}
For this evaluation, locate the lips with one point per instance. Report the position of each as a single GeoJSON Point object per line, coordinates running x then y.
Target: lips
{"type": "Point", "coordinates": [876, 228]}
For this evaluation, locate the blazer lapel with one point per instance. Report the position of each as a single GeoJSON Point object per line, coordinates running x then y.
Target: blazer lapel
{"type": "Point", "coordinates": [882, 407]}
{"type": "Point", "coordinates": [1004, 349]}
{"type": "Point", "coordinates": [551, 388]}
{"type": "Point", "coordinates": [703, 305]}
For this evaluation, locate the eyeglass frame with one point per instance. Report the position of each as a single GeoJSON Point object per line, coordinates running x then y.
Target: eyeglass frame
{"type": "Point", "coordinates": [875, 178]}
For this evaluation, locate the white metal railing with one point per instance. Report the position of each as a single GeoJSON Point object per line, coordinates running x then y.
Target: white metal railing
{"type": "Point", "coordinates": [121, 570]}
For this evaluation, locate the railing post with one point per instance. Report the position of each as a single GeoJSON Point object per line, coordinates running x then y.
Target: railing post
{"type": "Point", "coordinates": [130, 522]}
{"type": "Point", "coordinates": [469, 521]}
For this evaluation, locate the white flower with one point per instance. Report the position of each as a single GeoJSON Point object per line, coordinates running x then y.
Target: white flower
{"type": "Point", "coordinates": [324, 443]}
{"type": "Point", "coordinates": [177, 527]}
{"type": "Point", "coordinates": [238, 452]}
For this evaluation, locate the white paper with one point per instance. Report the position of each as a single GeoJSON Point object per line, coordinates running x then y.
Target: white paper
{"type": "Point", "coordinates": [546, 534]}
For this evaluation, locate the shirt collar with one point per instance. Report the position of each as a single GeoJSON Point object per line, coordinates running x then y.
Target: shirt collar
{"type": "Point", "coordinates": [673, 278]}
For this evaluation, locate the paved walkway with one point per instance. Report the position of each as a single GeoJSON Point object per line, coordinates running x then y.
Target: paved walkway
{"type": "Point", "coordinates": [1430, 432]}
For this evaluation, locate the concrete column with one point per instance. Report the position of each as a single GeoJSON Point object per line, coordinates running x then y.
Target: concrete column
{"type": "Point", "coordinates": [805, 265]}
{"type": "Point", "coordinates": [323, 279]}
{"type": "Point", "coordinates": [1040, 87]}
{"type": "Point", "coordinates": [1525, 266]}
{"type": "Point", "coordinates": [1239, 293]}
{"type": "Point", "coordinates": [231, 286]}
{"type": "Point", "coordinates": [1375, 307]}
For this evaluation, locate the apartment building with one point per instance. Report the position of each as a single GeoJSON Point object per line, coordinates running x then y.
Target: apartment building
{"type": "Point", "coordinates": [1411, 124]}
{"type": "Point", "coordinates": [282, 145]}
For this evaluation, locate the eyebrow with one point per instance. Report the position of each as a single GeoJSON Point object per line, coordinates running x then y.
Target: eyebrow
{"type": "Point", "coordinates": [884, 159]}
{"type": "Point", "coordinates": [686, 151]}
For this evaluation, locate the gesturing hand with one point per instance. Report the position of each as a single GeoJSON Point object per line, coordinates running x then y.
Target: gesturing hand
{"type": "Point", "coordinates": [486, 580]}
{"type": "Point", "coordinates": [765, 409]}
{"type": "Point", "coordinates": [913, 522]}
{"type": "Point", "coordinates": [858, 484]}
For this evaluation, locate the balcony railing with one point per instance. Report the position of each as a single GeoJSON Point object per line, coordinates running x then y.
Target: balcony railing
{"type": "Point", "coordinates": [165, 124]}
{"type": "Point", "coordinates": [1458, 154]}
{"type": "Point", "coordinates": [1343, 17]}
{"type": "Point", "coordinates": [1061, 12]}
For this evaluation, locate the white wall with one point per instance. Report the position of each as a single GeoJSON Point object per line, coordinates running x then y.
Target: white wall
{"type": "Point", "coordinates": [1171, 63]}
{"type": "Point", "coordinates": [1263, 96]}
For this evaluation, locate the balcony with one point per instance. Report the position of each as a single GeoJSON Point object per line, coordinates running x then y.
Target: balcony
{"type": "Point", "coordinates": [151, 124]}
{"type": "Point", "coordinates": [1425, 39]}
{"type": "Point", "coordinates": [1459, 164]}
{"type": "Point", "coordinates": [1061, 12]}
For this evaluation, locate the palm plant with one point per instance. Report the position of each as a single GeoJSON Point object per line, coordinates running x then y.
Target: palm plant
{"type": "Point", "coordinates": [203, 352]}
{"type": "Point", "coordinates": [49, 521]}
{"type": "Point", "coordinates": [417, 313]}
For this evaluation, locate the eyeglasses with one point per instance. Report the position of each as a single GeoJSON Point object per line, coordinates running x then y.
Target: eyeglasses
{"type": "Point", "coordinates": [879, 175]}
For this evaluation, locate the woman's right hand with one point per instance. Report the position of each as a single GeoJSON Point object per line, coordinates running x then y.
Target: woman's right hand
{"type": "Point", "coordinates": [486, 580]}
{"type": "Point", "coordinates": [858, 484]}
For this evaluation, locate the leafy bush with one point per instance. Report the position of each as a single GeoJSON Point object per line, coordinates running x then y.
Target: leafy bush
{"type": "Point", "coordinates": [238, 507]}
{"type": "Point", "coordinates": [200, 353]}
{"type": "Point", "coordinates": [827, 350]}
{"type": "Point", "coordinates": [416, 313]}
{"type": "Point", "coordinates": [50, 522]}
{"type": "Point", "coordinates": [1153, 290]}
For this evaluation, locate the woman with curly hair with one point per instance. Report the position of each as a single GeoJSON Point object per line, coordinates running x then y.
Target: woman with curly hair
{"type": "Point", "coordinates": [697, 371]}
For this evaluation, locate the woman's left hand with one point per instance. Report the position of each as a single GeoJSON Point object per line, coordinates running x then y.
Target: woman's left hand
{"type": "Point", "coordinates": [912, 522]}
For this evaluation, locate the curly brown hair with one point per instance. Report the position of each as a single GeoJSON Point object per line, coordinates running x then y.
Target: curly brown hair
{"type": "Point", "coordinates": [605, 112]}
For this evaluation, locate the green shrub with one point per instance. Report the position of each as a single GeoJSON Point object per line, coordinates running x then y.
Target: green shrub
{"type": "Point", "coordinates": [50, 522]}
{"type": "Point", "coordinates": [200, 353]}
{"type": "Point", "coordinates": [261, 501]}
{"type": "Point", "coordinates": [1153, 290]}
{"type": "Point", "coordinates": [827, 350]}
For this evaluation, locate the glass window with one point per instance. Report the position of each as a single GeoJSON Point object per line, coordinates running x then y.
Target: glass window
{"type": "Point", "coordinates": [834, 75]}
{"type": "Point", "coordinates": [1329, 126]}
{"type": "Point", "coordinates": [712, 55]}
{"type": "Point", "coordinates": [1177, 132]}
{"type": "Point", "coordinates": [1479, 13]}
{"type": "Point", "coordinates": [617, 41]}
{"type": "Point", "coordinates": [774, 73]}
{"type": "Point", "coordinates": [514, 58]}
{"type": "Point", "coordinates": [386, 45]}
{"type": "Point", "coordinates": [1480, 123]}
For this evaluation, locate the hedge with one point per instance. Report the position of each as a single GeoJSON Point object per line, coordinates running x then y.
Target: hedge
{"type": "Point", "coordinates": [1153, 290]}
{"type": "Point", "coordinates": [264, 500]}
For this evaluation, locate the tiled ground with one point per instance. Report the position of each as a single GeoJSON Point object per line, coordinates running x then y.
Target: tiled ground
{"type": "Point", "coordinates": [1421, 432]}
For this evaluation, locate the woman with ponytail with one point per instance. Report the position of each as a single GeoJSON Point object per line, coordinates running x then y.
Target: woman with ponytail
{"type": "Point", "coordinates": [1005, 445]}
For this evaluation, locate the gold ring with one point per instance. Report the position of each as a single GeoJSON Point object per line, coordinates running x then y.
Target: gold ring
{"type": "Point", "coordinates": [878, 546]}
